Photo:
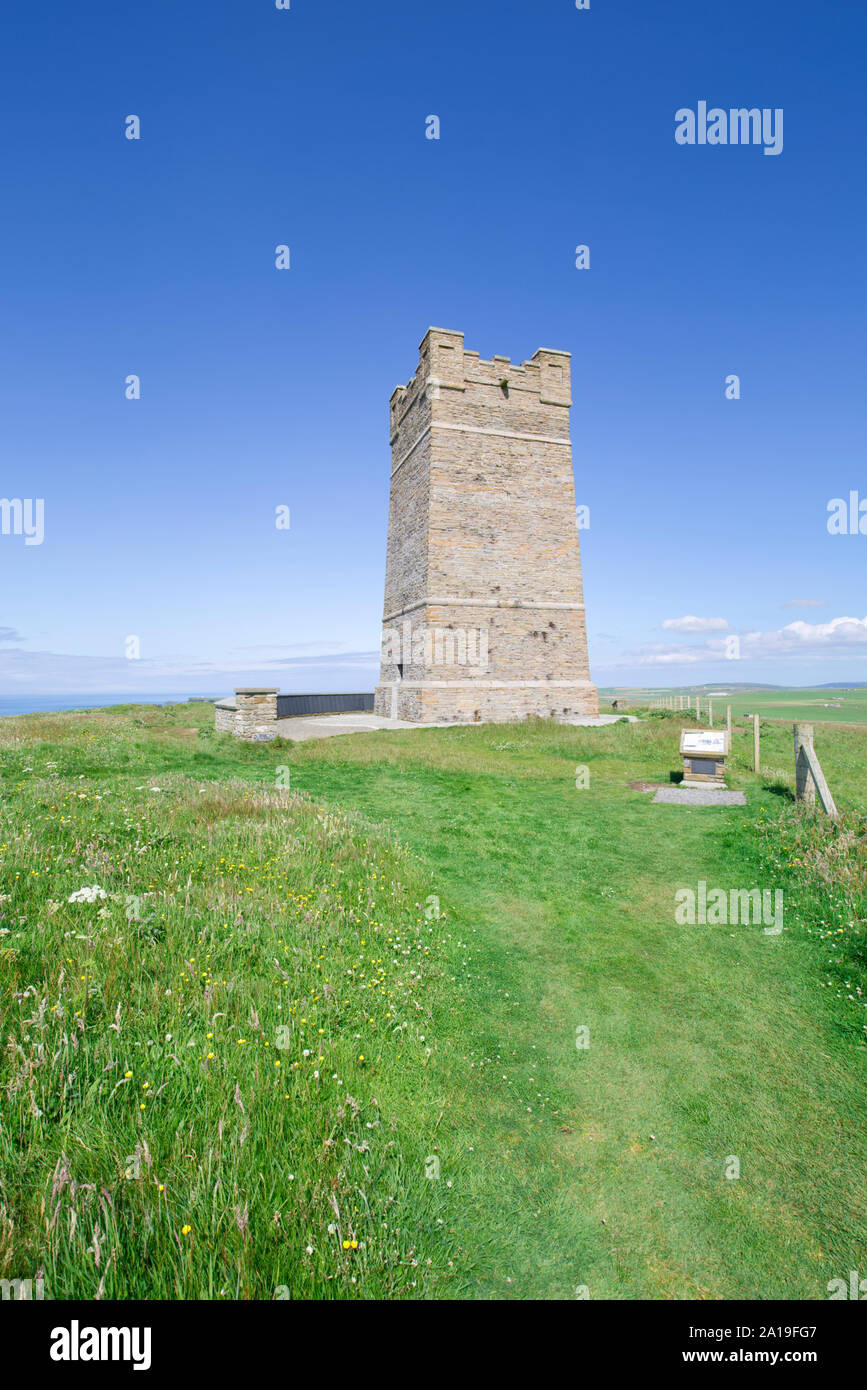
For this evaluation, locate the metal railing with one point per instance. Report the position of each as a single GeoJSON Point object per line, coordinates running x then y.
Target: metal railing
{"type": "Point", "coordinates": [289, 705]}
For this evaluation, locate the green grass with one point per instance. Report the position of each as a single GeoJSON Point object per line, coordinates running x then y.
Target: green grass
{"type": "Point", "coordinates": [525, 909]}
{"type": "Point", "coordinates": [795, 705]}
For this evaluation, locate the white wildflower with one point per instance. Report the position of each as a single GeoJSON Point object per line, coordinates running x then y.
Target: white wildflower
{"type": "Point", "coordinates": [87, 894]}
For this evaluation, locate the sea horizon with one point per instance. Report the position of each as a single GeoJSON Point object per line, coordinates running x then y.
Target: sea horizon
{"type": "Point", "coordinates": [11, 705]}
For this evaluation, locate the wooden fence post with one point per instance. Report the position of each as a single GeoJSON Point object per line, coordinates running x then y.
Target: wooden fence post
{"type": "Point", "coordinates": [809, 778]}
{"type": "Point", "coordinates": [757, 761]}
{"type": "Point", "coordinates": [729, 721]}
{"type": "Point", "coordinates": [805, 787]}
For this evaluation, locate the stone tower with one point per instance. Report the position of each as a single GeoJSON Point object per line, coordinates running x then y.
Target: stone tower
{"type": "Point", "coordinates": [484, 607]}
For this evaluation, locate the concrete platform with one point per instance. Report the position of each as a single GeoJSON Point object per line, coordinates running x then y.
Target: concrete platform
{"type": "Point", "coordinates": [302, 727]}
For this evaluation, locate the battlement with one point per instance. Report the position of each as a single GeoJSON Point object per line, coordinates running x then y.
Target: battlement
{"type": "Point", "coordinates": [483, 550]}
{"type": "Point", "coordinates": [445, 366]}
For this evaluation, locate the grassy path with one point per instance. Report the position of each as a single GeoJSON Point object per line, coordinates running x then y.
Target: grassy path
{"type": "Point", "coordinates": [606, 1167]}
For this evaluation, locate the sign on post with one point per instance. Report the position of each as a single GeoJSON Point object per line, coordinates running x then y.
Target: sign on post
{"type": "Point", "coordinates": [704, 757]}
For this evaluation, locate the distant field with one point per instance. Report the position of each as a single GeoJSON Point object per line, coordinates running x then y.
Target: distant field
{"type": "Point", "coordinates": [841, 706]}
{"type": "Point", "coordinates": [815, 706]}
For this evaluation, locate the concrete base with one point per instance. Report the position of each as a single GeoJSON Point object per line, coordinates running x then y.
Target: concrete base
{"type": "Point", "coordinates": [304, 727]}
{"type": "Point", "coordinates": [485, 701]}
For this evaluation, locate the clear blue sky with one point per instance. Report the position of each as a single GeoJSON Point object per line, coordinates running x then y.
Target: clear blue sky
{"type": "Point", "coordinates": [262, 387]}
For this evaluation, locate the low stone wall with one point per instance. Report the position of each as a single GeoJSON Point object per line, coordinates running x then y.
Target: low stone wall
{"type": "Point", "coordinates": [252, 715]}
{"type": "Point", "coordinates": [224, 716]}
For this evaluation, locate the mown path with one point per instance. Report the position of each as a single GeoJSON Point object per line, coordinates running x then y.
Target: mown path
{"type": "Point", "coordinates": [606, 1167]}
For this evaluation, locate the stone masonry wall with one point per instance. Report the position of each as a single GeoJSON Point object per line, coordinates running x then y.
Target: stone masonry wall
{"type": "Point", "coordinates": [224, 716]}
{"type": "Point", "coordinates": [483, 540]}
{"type": "Point", "coordinates": [252, 715]}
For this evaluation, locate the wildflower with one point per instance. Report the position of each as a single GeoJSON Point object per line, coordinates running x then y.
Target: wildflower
{"type": "Point", "coordinates": [185, 1230]}
{"type": "Point", "coordinates": [87, 894]}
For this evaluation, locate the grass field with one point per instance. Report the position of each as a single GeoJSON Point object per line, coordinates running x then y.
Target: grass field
{"type": "Point", "coordinates": [320, 1040]}
{"type": "Point", "coordinates": [809, 706]}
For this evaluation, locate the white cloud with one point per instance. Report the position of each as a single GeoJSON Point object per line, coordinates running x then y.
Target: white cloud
{"type": "Point", "coordinates": [660, 655]}
{"type": "Point", "coordinates": [839, 637]}
{"type": "Point", "coordinates": [693, 624]}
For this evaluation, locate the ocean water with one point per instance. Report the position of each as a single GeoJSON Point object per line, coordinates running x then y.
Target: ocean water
{"type": "Point", "coordinates": [44, 704]}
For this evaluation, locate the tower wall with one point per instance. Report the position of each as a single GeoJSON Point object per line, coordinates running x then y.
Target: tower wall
{"type": "Point", "coordinates": [484, 608]}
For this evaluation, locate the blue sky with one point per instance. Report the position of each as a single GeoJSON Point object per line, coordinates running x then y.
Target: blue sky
{"type": "Point", "coordinates": [263, 388]}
